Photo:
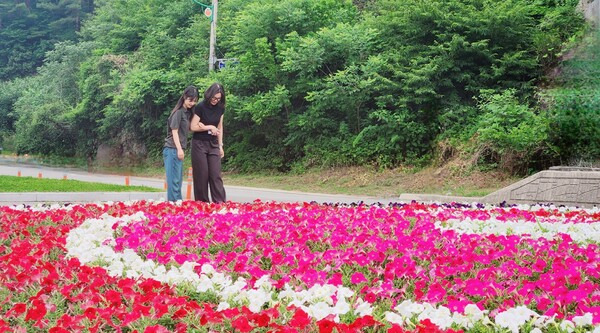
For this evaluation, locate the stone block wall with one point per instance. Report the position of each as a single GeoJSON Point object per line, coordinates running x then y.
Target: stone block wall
{"type": "Point", "coordinates": [591, 10]}
{"type": "Point", "coordinates": [559, 185]}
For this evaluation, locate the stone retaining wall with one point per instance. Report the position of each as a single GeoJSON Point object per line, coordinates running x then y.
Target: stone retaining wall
{"type": "Point", "coordinates": [591, 10]}
{"type": "Point", "coordinates": [560, 185]}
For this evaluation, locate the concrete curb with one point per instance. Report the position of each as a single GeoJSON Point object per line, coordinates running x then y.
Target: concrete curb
{"type": "Point", "coordinates": [76, 197]}
{"type": "Point", "coordinates": [437, 198]}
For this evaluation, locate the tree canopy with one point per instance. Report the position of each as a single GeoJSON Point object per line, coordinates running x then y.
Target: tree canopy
{"type": "Point", "coordinates": [314, 82]}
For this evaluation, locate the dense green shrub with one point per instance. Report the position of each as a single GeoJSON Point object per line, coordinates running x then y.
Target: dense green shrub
{"type": "Point", "coordinates": [574, 104]}
{"type": "Point", "coordinates": [44, 131]}
{"type": "Point", "coordinates": [45, 103]}
{"type": "Point", "coordinates": [10, 92]}
{"type": "Point", "coordinates": [575, 124]}
{"type": "Point", "coordinates": [508, 132]}
{"type": "Point", "coordinates": [310, 82]}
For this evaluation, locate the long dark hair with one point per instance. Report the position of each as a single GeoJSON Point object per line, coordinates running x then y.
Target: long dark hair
{"type": "Point", "coordinates": [214, 89]}
{"type": "Point", "coordinates": [189, 92]}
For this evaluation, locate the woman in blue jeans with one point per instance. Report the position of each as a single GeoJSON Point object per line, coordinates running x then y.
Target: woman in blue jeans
{"type": "Point", "coordinates": [176, 141]}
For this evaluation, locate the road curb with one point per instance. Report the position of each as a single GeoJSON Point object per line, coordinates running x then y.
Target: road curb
{"type": "Point", "coordinates": [76, 197]}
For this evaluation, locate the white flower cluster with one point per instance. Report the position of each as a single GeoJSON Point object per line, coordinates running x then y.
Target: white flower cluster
{"type": "Point", "coordinates": [526, 207]}
{"type": "Point", "coordinates": [441, 315]}
{"type": "Point", "coordinates": [40, 207]}
{"type": "Point", "coordinates": [318, 301]}
{"type": "Point", "coordinates": [579, 232]}
{"type": "Point", "coordinates": [561, 209]}
{"type": "Point", "coordinates": [234, 293]}
{"type": "Point", "coordinates": [93, 242]}
{"type": "Point", "coordinates": [512, 319]}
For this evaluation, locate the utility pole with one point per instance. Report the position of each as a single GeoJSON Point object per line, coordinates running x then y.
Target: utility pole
{"type": "Point", "coordinates": [213, 36]}
{"type": "Point", "coordinates": [211, 12]}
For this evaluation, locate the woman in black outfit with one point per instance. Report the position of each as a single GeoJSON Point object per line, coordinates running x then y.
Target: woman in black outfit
{"type": "Point", "coordinates": [207, 145]}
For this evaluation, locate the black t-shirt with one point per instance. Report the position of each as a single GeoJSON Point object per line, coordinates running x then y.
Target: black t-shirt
{"type": "Point", "coordinates": [209, 115]}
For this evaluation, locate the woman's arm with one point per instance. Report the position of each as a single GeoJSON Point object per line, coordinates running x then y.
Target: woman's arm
{"type": "Point", "coordinates": [221, 137]}
{"type": "Point", "coordinates": [180, 154]}
{"type": "Point", "coordinates": [197, 126]}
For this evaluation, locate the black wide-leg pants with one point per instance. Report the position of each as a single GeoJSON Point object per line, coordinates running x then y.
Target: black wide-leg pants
{"type": "Point", "coordinates": [206, 168]}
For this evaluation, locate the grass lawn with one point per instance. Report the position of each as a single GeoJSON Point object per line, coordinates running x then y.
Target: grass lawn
{"type": "Point", "coordinates": [381, 183]}
{"type": "Point", "coordinates": [31, 184]}
{"type": "Point", "coordinates": [451, 179]}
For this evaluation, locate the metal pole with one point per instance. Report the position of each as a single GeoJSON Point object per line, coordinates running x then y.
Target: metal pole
{"type": "Point", "coordinates": [213, 37]}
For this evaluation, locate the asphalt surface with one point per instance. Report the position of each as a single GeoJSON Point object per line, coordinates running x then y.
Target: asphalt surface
{"type": "Point", "coordinates": [12, 167]}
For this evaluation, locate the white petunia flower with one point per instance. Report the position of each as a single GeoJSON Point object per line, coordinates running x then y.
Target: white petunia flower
{"type": "Point", "coordinates": [586, 319]}
{"type": "Point", "coordinates": [223, 306]}
{"type": "Point", "coordinates": [472, 311]}
{"type": "Point", "coordinates": [343, 292]}
{"type": "Point", "coordinates": [394, 318]}
{"type": "Point", "coordinates": [264, 283]}
{"type": "Point", "coordinates": [208, 269]}
{"type": "Point", "coordinates": [286, 293]}
{"type": "Point", "coordinates": [341, 307]}
{"type": "Point", "coordinates": [507, 320]}
{"type": "Point", "coordinates": [132, 274]}
{"type": "Point", "coordinates": [364, 308]}
{"type": "Point", "coordinates": [319, 310]}
{"type": "Point", "coordinates": [234, 289]}
{"type": "Point", "coordinates": [567, 325]}
{"type": "Point", "coordinates": [440, 316]}
{"type": "Point", "coordinates": [257, 298]}
{"type": "Point", "coordinates": [462, 320]}
{"type": "Point", "coordinates": [204, 285]}
{"type": "Point", "coordinates": [407, 308]}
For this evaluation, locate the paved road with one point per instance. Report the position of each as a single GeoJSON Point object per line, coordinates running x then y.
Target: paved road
{"type": "Point", "coordinates": [234, 193]}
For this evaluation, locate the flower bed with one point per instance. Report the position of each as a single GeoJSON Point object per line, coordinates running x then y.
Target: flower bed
{"type": "Point", "coordinates": [153, 267]}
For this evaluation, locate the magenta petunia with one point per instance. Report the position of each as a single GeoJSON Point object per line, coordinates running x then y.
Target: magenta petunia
{"type": "Point", "coordinates": [358, 278]}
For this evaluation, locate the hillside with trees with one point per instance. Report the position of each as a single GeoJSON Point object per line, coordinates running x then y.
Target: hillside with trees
{"type": "Point", "coordinates": [313, 82]}
{"type": "Point", "coordinates": [29, 29]}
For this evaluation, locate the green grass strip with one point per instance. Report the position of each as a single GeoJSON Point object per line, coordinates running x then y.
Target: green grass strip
{"type": "Point", "coordinates": [31, 184]}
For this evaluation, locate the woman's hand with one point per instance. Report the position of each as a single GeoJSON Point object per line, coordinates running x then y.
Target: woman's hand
{"type": "Point", "coordinates": [222, 151]}
{"type": "Point", "coordinates": [214, 130]}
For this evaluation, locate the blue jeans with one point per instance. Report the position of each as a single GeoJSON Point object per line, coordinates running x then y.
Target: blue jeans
{"type": "Point", "coordinates": [174, 170]}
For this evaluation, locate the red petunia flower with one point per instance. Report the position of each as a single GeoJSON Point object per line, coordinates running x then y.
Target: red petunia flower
{"type": "Point", "coordinates": [300, 319]}
{"type": "Point", "coordinates": [326, 326]}
{"type": "Point", "coordinates": [426, 326]}
{"type": "Point", "coordinates": [261, 320]}
{"type": "Point", "coordinates": [37, 311]}
{"type": "Point", "coordinates": [241, 324]}
{"type": "Point", "coordinates": [397, 329]}
{"type": "Point", "coordinates": [17, 309]}
{"type": "Point", "coordinates": [156, 329]}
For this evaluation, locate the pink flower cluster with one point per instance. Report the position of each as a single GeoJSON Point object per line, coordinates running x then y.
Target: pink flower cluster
{"type": "Point", "coordinates": [388, 254]}
{"type": "Point", "coordinates": [384, 254]}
